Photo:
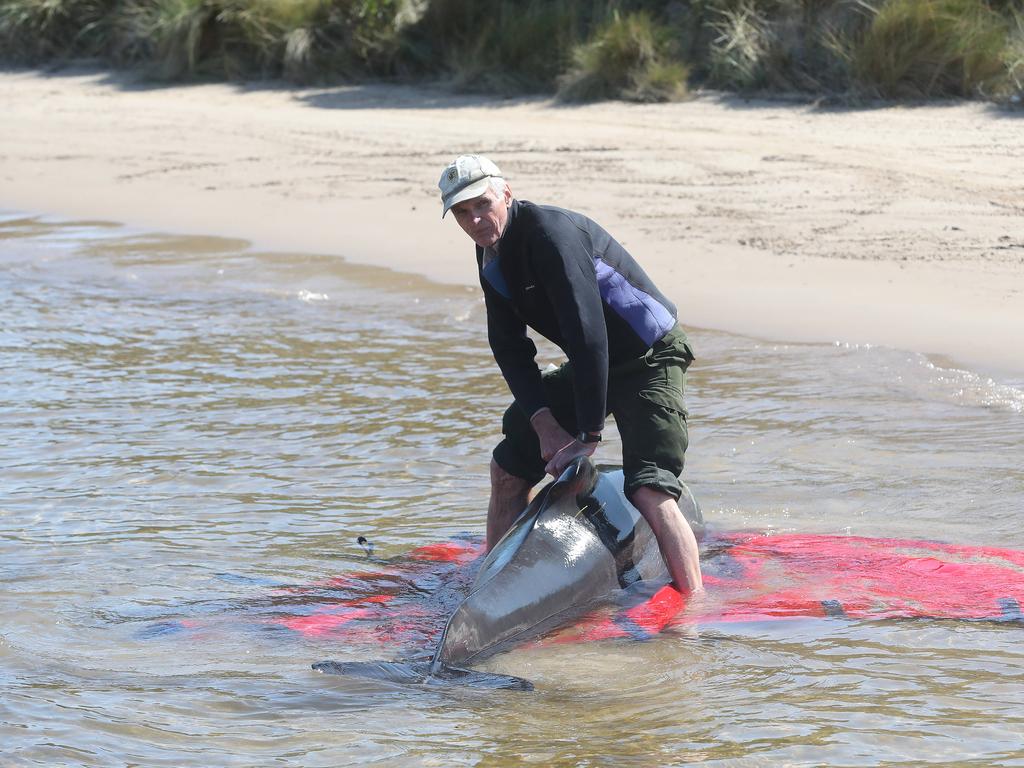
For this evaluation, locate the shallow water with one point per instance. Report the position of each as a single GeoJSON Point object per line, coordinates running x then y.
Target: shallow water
{"type": "Point", "coordinates": [188, 423]}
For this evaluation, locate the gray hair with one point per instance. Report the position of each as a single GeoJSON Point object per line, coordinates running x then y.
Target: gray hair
{"type": "Point", "coordinates": [498, 184]}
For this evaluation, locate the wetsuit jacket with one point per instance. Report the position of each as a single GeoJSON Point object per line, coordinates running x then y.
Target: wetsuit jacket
{"type": "Point", "coordinates": [562, 275]}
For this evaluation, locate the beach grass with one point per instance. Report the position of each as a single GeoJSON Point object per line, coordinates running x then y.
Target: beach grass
{"type": "Point", "coordinates": [579, 50]}
{"type": "Point", "coordinates": [784, 46]}
{"type": "Point", "coordinates": [502, 46]}
{"type": "Point", "coordinates": [628, 58]}
{"type": "Point", "coordinates": [303, 40]}
{"type": "Point", "coordinates": [38, 31]}
{"type": "Point", "coordinates": [927, 48]}
{"type": "Point", "coordinates": [1009, 89]}
{"type": "Point", "coordinates": [182, 38]}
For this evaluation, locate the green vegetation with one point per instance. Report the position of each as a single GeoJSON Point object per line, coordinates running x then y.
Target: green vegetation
{"type": "Point", "coordinates": [640, 50]}
{"type": "Point", "coordinates": [785, 45]}
{"type": "Point", "coordinates": [628, 58]}
{"type": "Point", "coordinates": [916, 48]}
{"type": "Point", "coordinates": [508, 45]}
{"type": "Point", "coordinates": [1014, 88]}
{"type": "Point", "coordinates": [302, 40]}
{"type": "Point", "coordinates": [41, 30]}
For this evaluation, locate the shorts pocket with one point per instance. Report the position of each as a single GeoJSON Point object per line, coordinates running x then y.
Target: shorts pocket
{"type": "Point", "coordinates": [667, 398]}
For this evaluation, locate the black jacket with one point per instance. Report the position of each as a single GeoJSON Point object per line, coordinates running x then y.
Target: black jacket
{"type": "Point", "coordinates": [562, 275]}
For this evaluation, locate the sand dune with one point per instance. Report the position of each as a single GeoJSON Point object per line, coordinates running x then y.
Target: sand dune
{"type": "Point", "coordinates": [894, 226]}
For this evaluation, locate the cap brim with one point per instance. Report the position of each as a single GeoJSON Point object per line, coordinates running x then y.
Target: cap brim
{"type": "Point", "coordinates": [475, 189]}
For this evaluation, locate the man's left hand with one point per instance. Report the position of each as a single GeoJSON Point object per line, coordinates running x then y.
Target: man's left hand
{"type": "Point", "coordinates": [565, 456]}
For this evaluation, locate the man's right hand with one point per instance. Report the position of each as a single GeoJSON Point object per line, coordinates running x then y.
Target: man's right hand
{"type": "Point", "coordinates": [550, 433]}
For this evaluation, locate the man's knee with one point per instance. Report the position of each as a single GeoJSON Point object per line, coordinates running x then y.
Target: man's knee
{"type": "Point", "coordinates": [651, 479]}
{"type": "Point", "coordinates": [507, 484]}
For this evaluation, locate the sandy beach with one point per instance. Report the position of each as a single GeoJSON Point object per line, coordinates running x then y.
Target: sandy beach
{"type": "Point", "coordinates": [893, 226]}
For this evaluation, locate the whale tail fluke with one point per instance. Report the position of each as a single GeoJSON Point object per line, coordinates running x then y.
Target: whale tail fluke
{"type": "Point", "coordinates": [424, 673]}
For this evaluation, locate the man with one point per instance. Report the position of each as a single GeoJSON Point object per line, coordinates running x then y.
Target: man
{"type": "Point", "coordinates": [562, 275]}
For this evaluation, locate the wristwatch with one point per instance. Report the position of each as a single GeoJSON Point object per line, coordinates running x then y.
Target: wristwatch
{"type": "Point", "coordinates": [589, 437]}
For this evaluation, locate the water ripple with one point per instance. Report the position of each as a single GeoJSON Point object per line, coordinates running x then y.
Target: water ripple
{"type": "Point", "coordinates": [190, 424]}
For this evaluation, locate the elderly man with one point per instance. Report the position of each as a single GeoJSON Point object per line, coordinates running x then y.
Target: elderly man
{"type": "Point", "coordinates": [562, 275]}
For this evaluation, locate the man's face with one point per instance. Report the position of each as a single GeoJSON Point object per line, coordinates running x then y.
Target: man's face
{"type": "Point", "coordinates": [484, 218]}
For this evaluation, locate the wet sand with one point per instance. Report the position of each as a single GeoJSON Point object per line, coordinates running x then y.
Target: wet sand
{"type": "Point", "coordinates": [895, 226]}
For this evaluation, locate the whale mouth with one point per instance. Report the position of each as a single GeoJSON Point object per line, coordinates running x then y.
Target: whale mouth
{"type": "Point", "coordinates": [422, 673]}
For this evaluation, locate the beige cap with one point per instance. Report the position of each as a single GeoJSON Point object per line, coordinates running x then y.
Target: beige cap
{"type": "Point", "coordinates": [465, 178]}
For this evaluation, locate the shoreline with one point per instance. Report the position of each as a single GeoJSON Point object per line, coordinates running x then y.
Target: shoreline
{"type": "Point", "coordinates": [897, 227]}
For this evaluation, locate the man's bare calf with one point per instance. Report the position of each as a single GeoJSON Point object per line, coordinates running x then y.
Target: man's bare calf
{"type": "Point", "coordinates": [509, 497]}
{"type": "Point", "coordinates": [675, 538]}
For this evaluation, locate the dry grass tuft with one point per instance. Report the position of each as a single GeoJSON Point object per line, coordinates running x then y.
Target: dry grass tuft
{"type": "Point", "coordinates": [930, 48]}
{"type": "Point", "coordinates": [36, 31]}
{"type": "Point", "coordinates": [627, 59]}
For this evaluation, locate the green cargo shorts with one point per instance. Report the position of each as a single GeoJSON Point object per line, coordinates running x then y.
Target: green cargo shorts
{"type": "Point", "coordinates": [646, 398]}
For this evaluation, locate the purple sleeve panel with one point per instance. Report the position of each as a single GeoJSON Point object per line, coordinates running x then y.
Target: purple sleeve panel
{"type": "Point", "coordinates": [649, 318]}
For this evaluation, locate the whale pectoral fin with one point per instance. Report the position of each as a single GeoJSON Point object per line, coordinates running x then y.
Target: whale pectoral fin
{"type": "Point", "coordinates": [401, 672]}
{"type": "Point", "coordinates": [476, 679]}
{"type": "Point", "coordinates": [422, 673]}
{"type": "Point", "coordinates": [577, 479]}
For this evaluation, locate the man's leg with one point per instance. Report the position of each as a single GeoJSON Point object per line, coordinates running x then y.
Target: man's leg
{"type": "Point", "coordinates": [650, 411]}
{"type": "Point", "coordinates": [675, 538]}
{"type": "Point", "coordinates": [509, 497]}
{"type": "Point", "coordinates": [517, 464]}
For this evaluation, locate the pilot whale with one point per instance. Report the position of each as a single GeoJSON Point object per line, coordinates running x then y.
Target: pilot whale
{"type": "Point", "coordinates": [578, 544]}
